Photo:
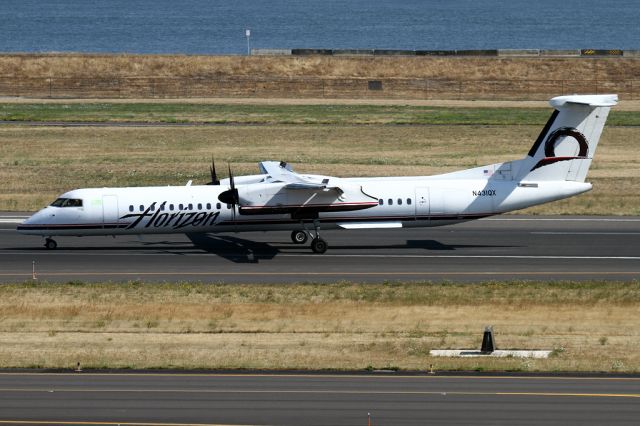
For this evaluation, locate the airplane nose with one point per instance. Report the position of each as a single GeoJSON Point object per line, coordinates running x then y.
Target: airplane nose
{"type": "Point", "coordinates": [30, 220]}
{"type": "Point", "coordinates": [37, 218]}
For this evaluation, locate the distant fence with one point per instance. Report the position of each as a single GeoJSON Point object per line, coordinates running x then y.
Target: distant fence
{"type": "Point", "coordinates": [210, 87]}
{"type": "Point", "coordinates": [486, 52]}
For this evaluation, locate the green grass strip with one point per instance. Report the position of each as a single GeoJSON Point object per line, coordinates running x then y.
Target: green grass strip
{"type": "Point", "coordinates": [286, 114]}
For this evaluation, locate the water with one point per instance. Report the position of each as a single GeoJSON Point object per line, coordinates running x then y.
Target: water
{"type": "Point", "coordinates": [217, 26]}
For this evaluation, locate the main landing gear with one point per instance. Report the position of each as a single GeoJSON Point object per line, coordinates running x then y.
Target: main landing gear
{"type": "Point", "coordinates": [299, 237]}
{"type": "Point", "coordinates": [50, 244]}
{"type": "Point", "coordinates": [318, 245]}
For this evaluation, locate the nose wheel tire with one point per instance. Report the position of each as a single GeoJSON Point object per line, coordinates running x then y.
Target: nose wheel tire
{"type": "Point", "coordinates": [299, 237]}
{"type": "Point", "coordinates": [319, 246]}
{"type": "Point", "coordinates": [50, 244]}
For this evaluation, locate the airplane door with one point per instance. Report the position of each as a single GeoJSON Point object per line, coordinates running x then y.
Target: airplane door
{"type": "Point", "coordinates": [110, 209]}
{"type": "Point", "coordinates": [422, 201]}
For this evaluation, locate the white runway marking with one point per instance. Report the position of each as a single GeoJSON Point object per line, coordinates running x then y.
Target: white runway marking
{"type": "Point", "coordinates": [168, 252]}
{"type": "Point", "coordinates": [18, 219]}
{"type": "Point", "coordinates": [560, 219]}
{"type": "Point", "coordinates": [583, 233]}
{"type": "Point", "coordinates": [463, 256]}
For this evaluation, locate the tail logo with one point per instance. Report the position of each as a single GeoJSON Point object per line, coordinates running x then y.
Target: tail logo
{"type": "Point", "coordinates": [550, 146]}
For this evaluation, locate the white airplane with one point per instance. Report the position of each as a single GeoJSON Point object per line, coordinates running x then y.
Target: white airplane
{"type": "Point", "coordinates": [280, 199]}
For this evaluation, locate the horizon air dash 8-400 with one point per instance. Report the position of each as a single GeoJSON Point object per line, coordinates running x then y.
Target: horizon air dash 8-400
{"type": "Point", "coordinates": [279, 199]}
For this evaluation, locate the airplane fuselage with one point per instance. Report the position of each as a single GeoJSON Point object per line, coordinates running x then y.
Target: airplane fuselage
{"type": "Point", "coordinates": [402, 202]}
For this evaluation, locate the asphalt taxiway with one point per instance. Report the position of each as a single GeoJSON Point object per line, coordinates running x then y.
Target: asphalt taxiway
{"type": "Point", "coordinates": [503, 247]}
{"type": "Point", "coordinates": [315, 399]}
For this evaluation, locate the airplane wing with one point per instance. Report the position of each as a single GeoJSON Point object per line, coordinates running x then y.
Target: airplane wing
{"type": "Point", "coordinates": [286, 192]}
{"type": "Point", "coordinates": [303, 197]}
{"type": "Point", "coordinates": [281, 172]}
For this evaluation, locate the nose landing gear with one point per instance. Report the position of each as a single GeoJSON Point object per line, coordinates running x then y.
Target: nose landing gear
{"type": "Point", "coordinates": [50, 244]}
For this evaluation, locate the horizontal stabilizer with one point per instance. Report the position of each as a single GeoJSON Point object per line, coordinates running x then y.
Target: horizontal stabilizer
{"type": "Point", "coordinates": [591, 100]}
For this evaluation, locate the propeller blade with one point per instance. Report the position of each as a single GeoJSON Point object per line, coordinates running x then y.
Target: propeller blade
{"type": "Point", "coordinates": [231, 181]}
{"type": "Point", "coordinates": [214, 175]}
{"type": "Point", "coordinates": [230, 196]}
{"type": "Point", "coordinates": [234, 194]}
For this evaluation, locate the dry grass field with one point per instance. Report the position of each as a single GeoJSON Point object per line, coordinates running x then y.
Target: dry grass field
{"type": "Point", "coordinates": [403, 77]}
{"type": "Point", "coordinates": [466, 68]}
{"type": "Point", "coordinates": [39, 163]}
{"type": "Point", "coordinates": [589, 326]}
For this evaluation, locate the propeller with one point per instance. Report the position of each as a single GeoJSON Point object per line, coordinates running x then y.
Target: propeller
{"type": "Point", "coordinates": [230, 196]}
{"type": "Point", "coordinates": [214, 176]}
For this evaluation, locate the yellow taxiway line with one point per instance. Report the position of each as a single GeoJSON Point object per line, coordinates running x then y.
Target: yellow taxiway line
{"type": "Point", "coordinates": [63, 423]}
{"type": "Point", "coordinates": [322, 392]}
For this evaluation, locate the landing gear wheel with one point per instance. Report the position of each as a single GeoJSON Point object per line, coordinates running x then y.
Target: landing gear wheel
{"type": "Point", "coordinates": [50, 244]}
{"type": "Point", "coordinates": [318, 245]}
{"type": "Point", "coordinates": [299, 237]}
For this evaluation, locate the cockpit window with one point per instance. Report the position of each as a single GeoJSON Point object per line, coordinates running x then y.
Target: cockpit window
{"type": "Point", "coordinates": [67, 202]}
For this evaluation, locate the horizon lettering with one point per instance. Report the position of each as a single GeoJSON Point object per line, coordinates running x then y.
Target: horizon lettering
{"type": "Point", "coordinates": [176, 220]}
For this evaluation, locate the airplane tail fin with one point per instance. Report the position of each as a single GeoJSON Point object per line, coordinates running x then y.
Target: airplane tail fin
{"type": "Point", "coordinates": [565, 148]}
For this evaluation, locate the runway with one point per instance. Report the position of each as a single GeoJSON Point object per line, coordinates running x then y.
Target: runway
{"type": "Point", "coordinates": [503, 247]}
{"type": "Point", "coordinates": [316, 399]}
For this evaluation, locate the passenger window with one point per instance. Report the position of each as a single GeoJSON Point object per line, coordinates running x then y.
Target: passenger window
{"type": "Point", "coordinates": [218, 206]}
{"type": "Point", "coordinates": [199, 206]}
{"type": "Point", "coordinates": [380, 202]}
{"type": "Point", "coordinates": [141, 208]}
{"type": "Point", "coordinates": [399, 201]}
{"type": "Point", "coordinates": [171, 207]}
{"type": "Point", "coordinates": [162, 207]}
{"type": "Point", "coordinates": [409, 201]}
{"type": "Point", "coordinates": [208, 206]}
{"type": "Point", "coordinates": [228, 206]}
{"type": "Point", "coordinates": [130, 208]}
{"type": "Point", "coordinates": [390, 202]}
{"type": "Point", "coordinates": [190, 206]}
{"type": "Point", "coordinates": [153, 208]}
